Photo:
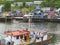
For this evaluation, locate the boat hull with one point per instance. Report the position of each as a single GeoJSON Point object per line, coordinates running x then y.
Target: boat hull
{"type": "Point", "coordinates": [42, 43]}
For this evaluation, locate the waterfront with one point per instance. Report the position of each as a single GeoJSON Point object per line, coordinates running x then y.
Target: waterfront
{"type": "Point", "coordinates": [52, 27]}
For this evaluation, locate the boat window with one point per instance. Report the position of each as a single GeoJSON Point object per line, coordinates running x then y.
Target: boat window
{"type": "Point", "coordinates": [17, 37]}
{"type": "Point", "coordinates": [25, 37]}
{"type": "Point", "coordinates": [8, 43]}
{"type": "Point", "coordinates": [21, 36]}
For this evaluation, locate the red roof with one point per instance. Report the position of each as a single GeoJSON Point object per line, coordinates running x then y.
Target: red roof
{"type": "Point", "coordinates": [17, 32]}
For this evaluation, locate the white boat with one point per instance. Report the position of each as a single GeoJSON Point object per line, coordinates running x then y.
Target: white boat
{"type": "Point", "coordinates": [25, 37]}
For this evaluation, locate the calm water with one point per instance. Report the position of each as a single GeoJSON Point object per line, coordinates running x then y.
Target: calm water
{"type": "Point", "coordinates": [18, 25]}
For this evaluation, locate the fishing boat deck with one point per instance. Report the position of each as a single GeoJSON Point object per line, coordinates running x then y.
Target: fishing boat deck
{"type": "Point", "coordinates": [27, 43]}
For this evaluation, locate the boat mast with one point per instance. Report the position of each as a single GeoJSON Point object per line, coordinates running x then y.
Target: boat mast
{"type": "Point", "coordinates": [5, 22]}
{"type": "Point", "coordinates": [29, 23]}
{"type": "Point", "coordinates": [29, 18]}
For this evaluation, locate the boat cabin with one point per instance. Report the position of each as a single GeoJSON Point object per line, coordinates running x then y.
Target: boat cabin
{"type": "Point", "coordinates": [17, 37]}
{"type": "Point", "coordinates": [24, 37]}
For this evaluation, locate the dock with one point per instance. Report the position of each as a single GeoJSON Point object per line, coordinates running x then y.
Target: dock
{"type": "Point", "coordinates": [46, 20]}
{"type": "Point", "coordinates": [26, 19]}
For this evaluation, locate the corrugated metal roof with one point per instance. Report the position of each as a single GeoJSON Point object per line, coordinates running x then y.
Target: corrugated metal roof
{"type": "Point", "coordinates": [17, 32]}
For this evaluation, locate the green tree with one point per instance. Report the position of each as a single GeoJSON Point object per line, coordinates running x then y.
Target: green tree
{"type": "Point", "coordinates": [51, 3]}
{"type": "Point", "coordinates": [7, 6]}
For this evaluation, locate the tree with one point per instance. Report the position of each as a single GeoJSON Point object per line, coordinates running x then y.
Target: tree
{"type": "Point", "coordinates": [51, 3]}
{"type": "Point", "coordinates": [7, 6]}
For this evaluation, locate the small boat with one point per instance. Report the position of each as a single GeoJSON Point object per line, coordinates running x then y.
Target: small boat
{"type": "Point", "coordinates": [26, 37]}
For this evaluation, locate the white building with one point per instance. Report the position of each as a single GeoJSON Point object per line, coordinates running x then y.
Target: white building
{"type": "Point", "coordinates": [29, 3]}
{"type": "Point", "coordinates": [38, 2]}
{"type": "Point", "coordinates": [12, 5]}
{"type": "Point", "coordinates": [1, 8]}
{"type": "Point", "coordinates": [20, 3]}
{"type": "Point", "coordinates": [46, 9]}
{"type": "Point", "coordinates": [9, 0]}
